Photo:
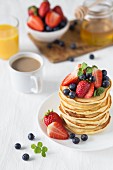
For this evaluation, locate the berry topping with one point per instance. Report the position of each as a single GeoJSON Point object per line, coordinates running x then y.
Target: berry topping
{"type": "Point", "coordinates": [76, 140]}
{"type": "Point", "coordinates": [50, 117]}
{"type": "Point", "coordinates": [66, 92]}
{"type": "Point", "coordinates": [44, 8]}
{"type": "Point", "coordinates": [91, 56]}
{"type": "Point", "coordinates": [90, 91]}
{"type": "Point", "coordinates": [105, 83]}
{"type": "Point", "coordinates": [17, 146]}
{"type": "Point", "coordinates": [82, 77]}
{"type": "Point", "coordinates": [92, 79]}
{"type": "Point", "coordinates": [104, 73]}
{"type": "Point", "coordinates": [82, 88]}
{"type": "Point", "coordinates": [25, 157]}
{"type": "Point", "coordinates": [63, 23]}
{"type": "Point", "coordinates": [84, 137]}
{"type": "Point", "coordinates": [31, 136]}
{"type": "Point", "coordinates": [72, 135]}
{"type": "Point", "coordinates": [72, 95]}
{"type": "Point", "coordinates": [88, 75]}
{"type": "Point", "coordinates": [106, 78]}
{"type": "Point", "coordinates": [57, 131]}
{"type": "Point", "coordinates": [73, 46]}
{"type": "Point", "coordinates": [98, 77]}
{"type": "Point", "coordinates": [48, 29]}
{"type": "Point", "coordinates": [72, 86]}
{"type": "Point", "coordinates": [35, 23]}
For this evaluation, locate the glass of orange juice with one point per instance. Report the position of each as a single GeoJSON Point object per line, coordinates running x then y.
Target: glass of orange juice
{"type": "Point", "coordinates": [9, 36]}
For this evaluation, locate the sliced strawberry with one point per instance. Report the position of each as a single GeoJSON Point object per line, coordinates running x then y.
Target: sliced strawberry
{"type": "Point", "coordinates": [57, 131]}
{"type": "Point", "coordinates": [50, 117]}
{"type": "Point", "coordinates": [53, 19]}
{"type": "Point", "coordinates": [98, 76]}
{"type": "Point", "coordinates": [35, 23]}
{"type": "Point", "coordinates": [32, 10]}
{"type": "Point", "coordinates": [59, 11]}
{"type": "Point", "coordinates": [82, 88]}
{"type": "Point", "coordinates": [44, 8]}
{"type": "Point", "coordinates": [90, 91]}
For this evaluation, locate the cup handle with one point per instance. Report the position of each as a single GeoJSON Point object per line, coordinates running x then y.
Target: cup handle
{"type": "Point", "coordinates": [37, 87]}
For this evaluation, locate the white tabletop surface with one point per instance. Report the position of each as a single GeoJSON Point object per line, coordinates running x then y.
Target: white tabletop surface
{"type": "Point", "coordinates": [18, 112]}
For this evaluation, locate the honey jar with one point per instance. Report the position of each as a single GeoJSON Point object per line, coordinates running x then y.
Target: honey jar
{"type": "Point", "coordinates": [97, 25]}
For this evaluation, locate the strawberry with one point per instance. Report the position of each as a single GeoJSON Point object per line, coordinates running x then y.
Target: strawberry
{"type": "Point", "coordinates": [72, 77]}
{"type": "Point", "coordinates": [59, 11]}
{"type": "Point", "coordinates": [90, 91]}
{"type": "Point", "coordinates": [35, 23]}
{"type": "Point", "coordinates": [44, 8]}
{"type": "Point", "coordinates": [53, 19]}
{"type": "Point", "coordinates": [32, 10]}
{"type": "Point", "coordinates": [57, 131]}
{"type": "Point", "coordinates": [50, 117]}
{"type": "Point", "coordinates": [98, 76]}
{"type": "Point", "coordinates": [82, 88]}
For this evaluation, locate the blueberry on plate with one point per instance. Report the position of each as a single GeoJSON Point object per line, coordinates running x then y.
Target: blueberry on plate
{"type": "Point", "coordinates": [73, 46]}
{"type": "Point", "coordinates": [105, 83]}
{"type": "Point", "coordinates": [82, 77]}
{"type": "Point", "coordinates": [92, 79]}
{"type": "Point", "coordinates": [75, 140]}
{"type": "Point", "coordinates": [104, 73]}
{"type": "Point", "coordinates": [48, 29]}
{"type": "Point", "coordinates": [106, 78]}
{"type": "Point", "coordinates": [91, 56]}
{"type": "Point", "coordinates": [31, 136]}
{"type": "Point", "coordinates": [61, 43]}
{"type": "Point", "coordinates": [84, 137]}
{"type": "Point", "coordinates": [66, 92]}
{"type": "Point", "coordinates": [72, 86]}
{"type": "Point", "coordinates": [71, 59]}
{"type": "Point", "coordinates": [72, 95]}
{"type": "Point", "coordinates": [72, 135]}
{"type": "Point", "coordinates": [17, 146]}
{"type": "Point", "coordinates": [56, 41]}
{"type": "Point", "coordinates": [72, 27]}
{"type": "Point", "coordinates": [25, 157]}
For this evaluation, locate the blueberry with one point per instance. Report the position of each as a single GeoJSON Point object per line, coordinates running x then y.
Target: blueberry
{"type": "Point", "coordinates": [104, 73]}
{"type": "Point", "coordinates": [63, 23]}
{"type": "Point", "coordinates": [25, 157]}
{"type": "Point", "coordinates": [82, 77]}
{"type": "Point", "coordinates": [17, 146]}
{"type": "Point", "coordinates": [72, 87]}
{"type": "Point", "coordinates": [72, 95]}
{"type": "Point", "coordinates": [71, 59]}
{"type": "Point", "coordinates": [56, 28]}
{"type": "Point", "coordinates": [105, 83]}
{"type": "Point", "coordinates": [56, 41]}
{"type": "Point", "coordinates": [75, 22]}
{"type": "Point", "coordinates": [84, 137]}
{"type": "Point", "coordinates": [72, 27]}
{"type": "Point", "coordinates": [106, 78]}
{"type": "Point", "coordinates": [88, 75]}
{"type": "Point", "coordinates": [92, 79]}
{"type": "Point", "coordinates": [31, 136]}
{"type": "Point", "coordinates": [66, 92]}
{"type": "Point", "coordinates": [61, 43]}
{"type": "Point", "coordinates": [49, 45]}
{"type": "Point", "coordinates": [72, 135]}
{"type": "Point", "coordinates": [76, 140]}
{"type": "Point", "coordinates": [73, 46]}
{"type": "Point", "coordinates": [91, 56]}
{"type": "Point", "coordinates": [48, 29]}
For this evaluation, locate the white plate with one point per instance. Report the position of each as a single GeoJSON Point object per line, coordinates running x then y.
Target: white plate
{"type": "Point", "coordinates": [95, 142]}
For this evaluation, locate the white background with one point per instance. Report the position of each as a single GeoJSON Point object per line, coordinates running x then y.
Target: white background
{"type": "Point", "coordinates": [18, 112]}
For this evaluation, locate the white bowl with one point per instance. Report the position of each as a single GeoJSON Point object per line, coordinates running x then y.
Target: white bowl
{"type": "Point", "coordinates": [48, 36]}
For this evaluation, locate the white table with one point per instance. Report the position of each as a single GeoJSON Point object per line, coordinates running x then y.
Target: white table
{"type": "Point", "coordinates": [18, 112]}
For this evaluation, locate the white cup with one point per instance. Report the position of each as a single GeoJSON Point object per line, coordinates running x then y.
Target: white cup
{"type": "Point", "coordinates": [27, 82]}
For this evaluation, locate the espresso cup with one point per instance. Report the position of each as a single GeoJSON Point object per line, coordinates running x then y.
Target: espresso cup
{"type": "Point", "coordinates": [26, 81]}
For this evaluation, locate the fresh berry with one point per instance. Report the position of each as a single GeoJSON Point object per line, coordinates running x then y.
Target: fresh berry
{"type": "Point", "coordinates": [66, 92]}
{"type": "Point", "coordinates": [71, 59]}
{"type": "Point", "coordinates": [44, 8]}
{"type": "Point", "coordinates": [35, 23]}
{"type": "Point", "coordinates": [31, 136]}
{"type": "Point", "coordinates": [48, 29]}
{"type": "Point", "coordinates": [72, 95]}
{"type": "Point", "coordinates": [72, 135]}
{"type": "Point", "coordinates": [82, 88]}
{"type": "Point", "coordinates": [90, 91]}
{"type": "Point", "coordinates": [88, 75]}
{"type": "Point", "coordinates": [84, 137]}
{"type": "Point", "coordinates": [63, 23]}
{"type": "Point", "coordinates": [56, 41]}
{"type": "Point", "coordinates": [59, 11]}
{"type": "Point", "coordinates": [72, 86]}
{"type": "Point", "coordinates": [49, 45]}
{"type": "Point", "coordinates": [61, 43]}
{"type": "Point", "coordinates": [71, 27]}
{"type": "Point", "coordinates": [98, 77]}
{"type": "Point", "coordinates": [82, 77]}
{"type": "Point", "coordinates": [73, 46]}
{"type": "Point", "coordinates": [106, 78]}
{"type": "Point", "coordinates": [57, 131]}
{"type": "Point", "coordinates": [25, 157]}
{"type": "Point", "coordinates": [75, 22]}
{"type": "Point", "coordinates": [91, 56]}
{"type": "Point", "coordinates": [105, 84]}
{"type": "Point", "coordinates": [50, 117]}
{"type": "Point", "coordinates": [53, 19]}
{"type": "Point", "coordinates": [76, 140]}
{"type": "Point", "coordinates": [56, 28]}
{"type": "Point", "coordinates": [104, 73]}
{"type": "Point", "coordinates": [17, 146]}
{"type": "Point", "coordinates": [32, 10]}
{"type": "Point", "coordinates": [92, 79]}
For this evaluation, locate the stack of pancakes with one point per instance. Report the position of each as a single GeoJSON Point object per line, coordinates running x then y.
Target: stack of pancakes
{"type": "Point", "coordinates": [87, 116]}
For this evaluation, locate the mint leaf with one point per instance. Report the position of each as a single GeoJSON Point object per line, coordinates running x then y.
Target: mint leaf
{"type": "Point", "coordinates": [89, 70]}
{"type": "Point", "coordinates": [39, 144]}
{"type": "Point", "coordinates": [80, 72]}
{"type": "Point", "coordinates": [94, 66]}
{"type": "Point", "coordinates": [84, 66]}
{"type": "Point", "coordinates": [95, 93]}
{"type": "Point", "coordinates": [37, 150]}
{"type": "Point", "coordinates": [33, 146]}
{"type": "Point", "coordinates": [43, 154]}
{"type": "Point", "coordinates": [99, 91]}
{"type": "Point", "coordinates": [44, 149]}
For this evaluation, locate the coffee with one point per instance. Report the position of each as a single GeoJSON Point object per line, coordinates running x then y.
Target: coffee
{"type": "Point", "coordinates": [26, 64]}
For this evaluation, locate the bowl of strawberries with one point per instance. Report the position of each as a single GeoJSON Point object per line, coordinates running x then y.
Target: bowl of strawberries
{"type": "Point", "coordinates": [46, 24]}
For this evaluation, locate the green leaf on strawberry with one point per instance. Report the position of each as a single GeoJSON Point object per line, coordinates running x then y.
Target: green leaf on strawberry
{"type": "Point", "coordinates": [98, 91]}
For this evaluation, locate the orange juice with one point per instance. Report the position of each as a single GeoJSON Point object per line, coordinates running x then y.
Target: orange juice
{"type": "Point", "coordinates": [9, 41]}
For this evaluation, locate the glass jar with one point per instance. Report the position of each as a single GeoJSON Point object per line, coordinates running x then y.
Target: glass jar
{"type": "Point", "coordinates": [97, 26]}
